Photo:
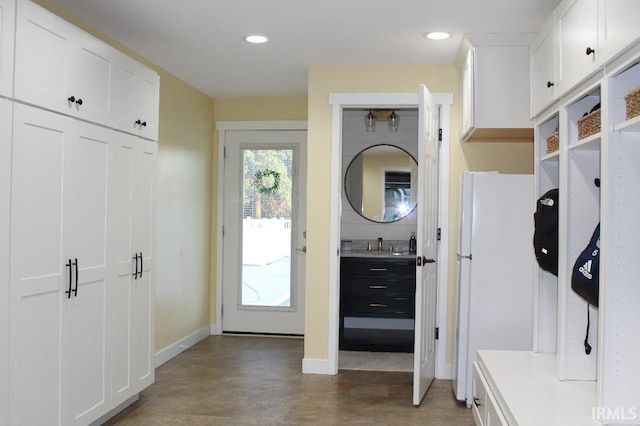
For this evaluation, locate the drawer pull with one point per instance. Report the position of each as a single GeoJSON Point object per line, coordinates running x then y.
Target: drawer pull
{"type": "Point", "coordinates": [378, 269]}
{"type": "Point", "coordinates": [377, 305]}
{"type": "Point", "coordinates": [376, 287]}
{"type": "Point", "coordinates": [476, 402]}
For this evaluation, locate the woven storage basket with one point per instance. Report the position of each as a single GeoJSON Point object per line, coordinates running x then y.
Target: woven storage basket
{"type": "Point", "coordinates": [589, 124]}
{"type": "Point", "coordinates": [633, 103]}
{"type": "Point", "coordinates": [553, 143]}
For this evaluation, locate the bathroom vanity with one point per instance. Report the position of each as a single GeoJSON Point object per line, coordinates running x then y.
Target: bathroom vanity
{"type": "Point", "coordinates": [377, 301]}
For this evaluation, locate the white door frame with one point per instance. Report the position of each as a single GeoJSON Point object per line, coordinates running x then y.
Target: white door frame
{"type": "Point", "coordinates": [339, 101]}
{"type": "Point", "coordinates": [223, 127]}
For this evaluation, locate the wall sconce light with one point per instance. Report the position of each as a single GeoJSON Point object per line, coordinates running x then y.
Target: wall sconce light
{"type": "Point", "coordinates": [393, 121]}
{"type": "Point", "coordinates": [370, 122]}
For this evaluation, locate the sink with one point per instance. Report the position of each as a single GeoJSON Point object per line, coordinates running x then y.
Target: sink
{"type": "Point", "coordinates": [374, 253]}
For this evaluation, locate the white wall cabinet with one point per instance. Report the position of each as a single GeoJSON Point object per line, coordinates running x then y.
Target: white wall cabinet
{"type": "Point", "coordinates": [136, 98]}
{"type": "Point", "coordinates": [59, 269]}
{"type": "Point", "coordinates": [543, 68]}
{"type": "Point", "coordinates": [495, 90]}
{"type": "Point", "coordinates": [60, 67]}
{"type": "Point", "coordinates": [7, 31]}
{"type": "Point", "coordinates": [6, 122]}
{"type": "Point", "coordinates": [133, 231]}
{"type": "Point", "coordinates": [577, 32]}
{"type": "Point", "coordinates": [617, 27]}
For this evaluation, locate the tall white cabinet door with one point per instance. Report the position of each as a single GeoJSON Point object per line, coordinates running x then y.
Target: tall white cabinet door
{"type": "Point", "coordinates": [61, 68]}
{"type": "Point", "coordinates": [38, 273]}
{"type": "Point", "coordinates": [577, 31]}
{"type": "Point", "coordinates": [84, 333]}
{"type": "Point", "coordinates": [137, 98]}
{"type": "Point", "coordinates": [618, 26]}
{"type": "Point", "coordinates": [543, 76]}
{"type": "Point", "coordinates": [132, 222]}
{"type": "Point", "coordinates": [7, 33]}
{"type": "Point", "coordinates": [6, 119]}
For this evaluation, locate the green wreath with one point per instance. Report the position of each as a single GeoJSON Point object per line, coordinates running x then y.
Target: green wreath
{"type": "Point", "coordinates": [267, 181]}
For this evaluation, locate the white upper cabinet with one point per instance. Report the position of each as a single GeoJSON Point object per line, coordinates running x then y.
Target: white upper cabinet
{"type": "Point", "coordinates": [618, 26]}
{"type": "Point", "coordinates": [5, 208]}
{"type": "Point", "coordinates": [59, 67]}
{"type": "Point", "coordinates": [7, 32]}
{"type": "Point", "coordinates": [494, 89]}
{"type": "Point", "coordinates": [543, 69]}
{"type": "Point", "coordinates": [137, 93]}
{"type": "Point", "coordinates": [577, 32]}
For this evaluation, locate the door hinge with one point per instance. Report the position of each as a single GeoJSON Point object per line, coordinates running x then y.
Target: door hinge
{"type": "Point", "coordinates": [221, 309]}
{"type": "Point", "coordinates": [437, 333]}
{"type": "Point", "coordinates": [222, 231]}
{"type": "Point", "coordinates": [440, 135]}
{"type": "Point", "coordinates": [224, 152]}
{"type": "Point", "coordinates": [439, 234]}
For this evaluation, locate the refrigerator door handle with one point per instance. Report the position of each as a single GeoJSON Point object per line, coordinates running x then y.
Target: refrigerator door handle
{"type": "Point", "coordinates": [460, 257]}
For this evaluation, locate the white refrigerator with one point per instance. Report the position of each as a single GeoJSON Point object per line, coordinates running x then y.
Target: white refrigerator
{"type": "Point", "coordinates": [495, 269]}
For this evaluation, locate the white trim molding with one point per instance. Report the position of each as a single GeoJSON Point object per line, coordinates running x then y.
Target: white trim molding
{"type": "Point", "coordinates": [175, 349]}
{"type": "Point", "coordinates": [317, 366]}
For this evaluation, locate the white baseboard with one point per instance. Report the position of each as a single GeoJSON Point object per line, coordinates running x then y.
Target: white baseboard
{"type": "Point", "coordinates": [181, 345]}
{"type": "Point", "coordinates": [315, 366]}
{"type": "Point", "coordinates": [215, 330]}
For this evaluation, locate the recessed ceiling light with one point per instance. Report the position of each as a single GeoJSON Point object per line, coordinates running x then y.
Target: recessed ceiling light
{"type": "Point", "coordinates": [256, 39]}
{"type": "Point", "coordinates": [437, 35]}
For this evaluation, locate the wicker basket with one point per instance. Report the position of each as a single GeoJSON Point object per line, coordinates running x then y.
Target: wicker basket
{"type": "Point", "coordinates": [589, 124]}
{"type": "Point", "coordinates": [553, 143]}
{"type": "Point", "coordinates": [633, 103]}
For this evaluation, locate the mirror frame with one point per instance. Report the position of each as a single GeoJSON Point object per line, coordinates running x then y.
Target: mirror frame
{"type": "Point", "coordinates": [346, 192]}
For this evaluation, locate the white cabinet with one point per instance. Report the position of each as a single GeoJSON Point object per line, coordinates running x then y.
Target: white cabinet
{"type": "Point", "coordinates": [136, 98]}
{"type": "Point", "coordinates": [131, 297]}
{"type": "Point", "coordinates": [7, 32]}
{"type": "Point", "coordinates": [5, 194]}
{"type": "Point", "coordinates": [58, 269]}
{"type": "Point", "coordinates": [495, 92]}
{"type": "Point", "coordinates": [60, 67]}
{"type": "Point", "coordinates": [577, 32]}
{"type": "Point", "coordinates": [543, 71]}
{"type": "Point", "coordinates": [617, 27]}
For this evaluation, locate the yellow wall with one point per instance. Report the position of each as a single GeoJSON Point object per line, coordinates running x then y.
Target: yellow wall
{"type": "Point", "coordinates": [185, 147]}
{"type": "Point", "coordinates": [326, 79]}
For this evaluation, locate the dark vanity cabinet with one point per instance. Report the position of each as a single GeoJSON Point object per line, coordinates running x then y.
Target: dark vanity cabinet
{"type": "Point", "coordinates": [377, 303]}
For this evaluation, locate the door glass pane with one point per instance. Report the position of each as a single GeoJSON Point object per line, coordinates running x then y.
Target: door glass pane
{"type": "Point", "coordinates": [266, 227]}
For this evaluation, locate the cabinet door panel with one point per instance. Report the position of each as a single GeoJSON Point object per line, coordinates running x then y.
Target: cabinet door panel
{"type": "Point", "coordinates": [42, 56]}
{"type": "Point", "coordinates": [618, 27]}
{"type": "Point", "coordinates": [7, 33]}
{"type": "Point", "coordinates": [543, 78]}
{"type": "Point", "coordinates": [577, 25]}
{"type": "Point", "coordinates": [85, 235]}
{"type": "Point", "coordinates": [6, 110]}
{"type": "Point", "coordinates": [37, 266]}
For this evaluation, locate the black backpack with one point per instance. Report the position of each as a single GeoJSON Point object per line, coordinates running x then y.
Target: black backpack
{"type": "Point", "coordinates": [586, 271]}
{"type": "Point", "coordinates": [545, 236]}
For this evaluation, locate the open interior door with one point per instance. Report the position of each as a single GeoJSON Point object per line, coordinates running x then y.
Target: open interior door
{"type": "Point", "coordinates": [427, 250]}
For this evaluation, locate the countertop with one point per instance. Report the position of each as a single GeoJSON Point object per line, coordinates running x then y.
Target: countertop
{"type": "Point", "coordinates": [377, 254]}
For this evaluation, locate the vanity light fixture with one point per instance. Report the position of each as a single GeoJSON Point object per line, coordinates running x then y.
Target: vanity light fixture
{"type": "Point", "coordinates": [393, 121]}
{"type": "Point", "coordinates": [370, 122]}
{"type": "Point", "coordinates": [437, 35]}
{"type": "Point", "coordinates": [256, 39]}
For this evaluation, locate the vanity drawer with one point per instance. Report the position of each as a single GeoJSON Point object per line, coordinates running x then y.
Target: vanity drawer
{"type": "Point", "coordinates": [377, 286]}
{"type": "Point", "coordinates": [354, 267]}
{"type": "Point", "coordinates": [388, 306]}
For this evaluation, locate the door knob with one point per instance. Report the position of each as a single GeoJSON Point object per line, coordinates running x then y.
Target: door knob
{"type": "Point", "coordinates": [420, 260]}
{"type": "Point", "coordinates": [590, 51]}
{"type": "Point", "coordinates": [550, 84]}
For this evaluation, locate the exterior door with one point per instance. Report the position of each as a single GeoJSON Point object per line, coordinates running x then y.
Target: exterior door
{"type": "Point", "coordinates": [263, 259]}
{"type": "Point", "coordinates": [427, 236]}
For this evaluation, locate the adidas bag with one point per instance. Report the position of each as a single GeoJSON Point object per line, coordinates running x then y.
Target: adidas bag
{"type": "Point", "coordinates": [586, 271]}
{"type": "Point", "coordinates": [545, 236]}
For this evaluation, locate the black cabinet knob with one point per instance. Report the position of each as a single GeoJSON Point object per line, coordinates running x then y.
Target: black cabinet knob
{"type": "Point", "coordinates": [590, 51]}
{"type": "Point", "coordinates": [79, 101]}
{"type": "Point", "coordinates": [550, 84]}
{"type": "Point", "coordinates": [71, 99]}
{"type": "Point", "coordinates": [144, 124]}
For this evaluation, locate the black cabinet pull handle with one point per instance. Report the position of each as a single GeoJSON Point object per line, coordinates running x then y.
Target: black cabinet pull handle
{"type": "Point", "coordinates": [138, 122]}
{"type": "Point", "coordinates": [79, 101]}
{"type": "Point", "coordinates": [71, 99]}
{"type": "Point", "coordinates": [377, 305]}
{"type": "Point", "coordinates": [141, 264]}
{"type": "Point", "coordinates": [141, 123]}
{"type": "Point", "coordinates": [550, 84]}
{"type": "Point", "coordinates": [75, 290]}
{"type": "Point", "coordinates": [68, 292]}
{"type": "Point", "coordinates": [144, 124]}
{"type": "Point", "coordinates": [590, 51]}
{"type": "Point", "coordinates": [135, 274]}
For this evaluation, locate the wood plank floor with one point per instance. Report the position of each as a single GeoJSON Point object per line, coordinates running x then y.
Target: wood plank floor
{"type": "Point", "coordinates": [231, 380]}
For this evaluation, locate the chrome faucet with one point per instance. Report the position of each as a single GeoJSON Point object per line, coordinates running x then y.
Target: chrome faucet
{"type": "Point", "coordinates": [380, 244]}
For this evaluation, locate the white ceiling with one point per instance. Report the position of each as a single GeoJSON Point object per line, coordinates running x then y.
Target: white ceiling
{"type": "Point", "coordinates": [200, 41]}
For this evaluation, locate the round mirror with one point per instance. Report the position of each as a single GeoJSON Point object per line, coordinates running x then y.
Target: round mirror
{"type": "Point", "coordinates": [380, 183]}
